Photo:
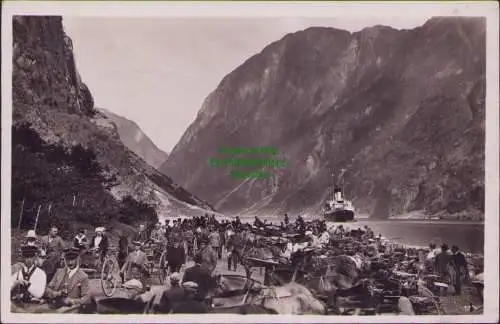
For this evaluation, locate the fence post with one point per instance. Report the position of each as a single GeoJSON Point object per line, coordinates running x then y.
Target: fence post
{"type": "Point", "coordinates": [37, 215]}
{"type": "Point", "coordinates": [21, 215]}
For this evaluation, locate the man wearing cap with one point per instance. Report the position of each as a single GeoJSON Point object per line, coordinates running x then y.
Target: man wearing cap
{"type": "Point", "coordinates": [173, 296]}
{"type": "Point", "coordinates": [70, 285]}
{"type": "Point", "coordinates": [191, 303]}
{"type": "Point", "coordinates": [209, 258]}
{"type": "Point", "coordinates": [28, 281]}
{"type": "Point", "coordinates": [100, 243]}
{"type": "Point", "coordinates": [135, 285]}
{"type": "Point", "coordinates": [200, 275]}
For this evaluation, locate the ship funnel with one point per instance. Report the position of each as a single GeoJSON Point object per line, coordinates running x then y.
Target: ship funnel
{"type": "Point", "coordinates": [337, 194]}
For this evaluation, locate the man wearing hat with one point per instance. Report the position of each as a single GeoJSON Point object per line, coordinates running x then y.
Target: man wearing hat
{"type": "Point", "coordinates": [215, 241]}
{"type": "Point", "coordinates": [200, 275]}
{"type": "Point", "coordinates": [70, 285]}
{"type": "Point", "coordinates": [176, 256]}
{"type": "Point", "coordinates": [141, 235]}
{"type": "Point", "coordinates": [460, 269]}
{"type": "Point", "coordinates": [208, 256]}
{"type": "Point", "coordinates": [173, 296]}
{"type": "Point", "coordinates": [137, 258]}
{"type": "Point", "coordinates": [234, 246]}
{"type": "Point", "coordinates": [28, 280]}
{"type": "Point", "coordinates": [191, 303]}
{"type": "Point", "coordinates": [442, 261]}
{"type": "Point", "coordinates": [100, 243]}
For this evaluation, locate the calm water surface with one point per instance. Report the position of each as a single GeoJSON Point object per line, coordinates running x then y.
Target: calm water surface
{"type": "Point", "coordinates": [469, 236]}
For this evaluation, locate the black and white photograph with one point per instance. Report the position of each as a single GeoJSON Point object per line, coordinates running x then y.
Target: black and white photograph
{"type": "Point", "coordinates": [293, 161]}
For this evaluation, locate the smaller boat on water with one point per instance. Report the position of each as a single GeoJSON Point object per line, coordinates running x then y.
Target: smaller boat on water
{"type": "Point", "coordinates": [338, 209]}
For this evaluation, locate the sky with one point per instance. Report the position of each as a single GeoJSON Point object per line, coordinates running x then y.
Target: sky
{"type": "Point", "coordinates": [158, 71]}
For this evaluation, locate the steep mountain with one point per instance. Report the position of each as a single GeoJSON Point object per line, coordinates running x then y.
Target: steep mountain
{"type": "Point", "coordinates": [67, 157]}
{"type": "Point", "coordinates": [136, 140]}
{"type": "Point", "coordinates": [397, 116]}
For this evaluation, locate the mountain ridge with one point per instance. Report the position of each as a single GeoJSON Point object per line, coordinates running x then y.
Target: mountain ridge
{"type": "Point", "coordinates": [369, 102]}
{"type": "Point", "coordinates": [65, 153]}
{"type": "Point", "coordinates": [136, 139]}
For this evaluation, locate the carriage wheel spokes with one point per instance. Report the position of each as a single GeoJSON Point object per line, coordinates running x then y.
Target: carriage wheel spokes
{"type": "Point", "coordinates": [109, 278]}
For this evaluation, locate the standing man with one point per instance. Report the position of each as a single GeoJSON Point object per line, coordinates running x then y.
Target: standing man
{"type": "Point", "coordinates": [200, 275]}
{"type": "Point", "coordinates": [234, 247]}
{"type": "Point", "coordinates": [442, 260]}
{"type": "Point", "coordinates": [176, 257]}
{"type": "Point", "coordinates": [28, 281]}
{"type": "Point", "coordinates": [53, 245]}
{"type": "Point", "coordinates": [70, 285]}
{"type": "Point", "coordinates": [215, 242]}
{"type": "Point", "coordinates": [209, 258]}
{"type": "Point", "coordinates": [460, 269]}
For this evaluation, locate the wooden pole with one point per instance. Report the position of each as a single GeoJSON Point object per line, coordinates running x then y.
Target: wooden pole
{"type": "Point", "coordinates": [21, 215]}
{"type": "Point", "coordinates": [37, 215]}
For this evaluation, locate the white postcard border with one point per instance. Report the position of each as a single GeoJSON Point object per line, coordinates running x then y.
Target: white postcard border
{"type": "Point", "coordinates": [267, 9]}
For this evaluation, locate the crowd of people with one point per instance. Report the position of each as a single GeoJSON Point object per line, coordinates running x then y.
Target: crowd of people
{"type": "Point", "coordinates": [40, 276]}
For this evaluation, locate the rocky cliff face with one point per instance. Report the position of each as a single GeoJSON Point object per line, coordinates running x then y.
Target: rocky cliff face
{"type": "Point", "coordinates": [136, 140]}
{"type": "Point", "coordinates": [399, 114]}
{"type": "Point", "coordinates": [59, 137]}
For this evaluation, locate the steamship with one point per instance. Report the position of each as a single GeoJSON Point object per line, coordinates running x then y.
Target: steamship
{"type": "Point", "coordinates": [338, 209]}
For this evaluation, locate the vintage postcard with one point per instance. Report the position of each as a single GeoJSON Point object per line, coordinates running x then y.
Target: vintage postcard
{"type": "Point", "coordinates": [250, 162]}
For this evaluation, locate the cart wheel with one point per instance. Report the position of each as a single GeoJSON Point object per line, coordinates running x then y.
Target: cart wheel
{"type": "Point", "coordinates": [109, 278]}
{"type": "Point", "coordinates": [163, 271]}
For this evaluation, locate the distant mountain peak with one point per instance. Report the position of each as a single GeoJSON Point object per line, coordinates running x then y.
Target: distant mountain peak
{"type": "Point", "coordinates": [136, 140]}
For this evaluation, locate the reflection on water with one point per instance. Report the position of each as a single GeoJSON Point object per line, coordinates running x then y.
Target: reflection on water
{"type": "Point", "coordinates": [469, 236]}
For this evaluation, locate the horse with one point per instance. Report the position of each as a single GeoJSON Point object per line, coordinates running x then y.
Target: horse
{"type": "Point", "coordinates": [238, 292]}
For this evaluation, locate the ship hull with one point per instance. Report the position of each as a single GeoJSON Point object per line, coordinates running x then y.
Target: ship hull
{"type": "Point", "coordinates": [340, 216]}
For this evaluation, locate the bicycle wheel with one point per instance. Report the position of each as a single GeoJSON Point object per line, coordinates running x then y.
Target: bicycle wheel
{"type": "Point", "coordinates": [109, 277]}
{"type": "Point", "coordinates": [163, 267]}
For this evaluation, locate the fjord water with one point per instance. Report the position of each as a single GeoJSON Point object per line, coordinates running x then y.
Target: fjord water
{"type": "Point", "coordinates": [469, 236]}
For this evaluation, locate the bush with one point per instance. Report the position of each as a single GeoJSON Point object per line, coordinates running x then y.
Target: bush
{"type": "Point", "coordinates": [70, 181]}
